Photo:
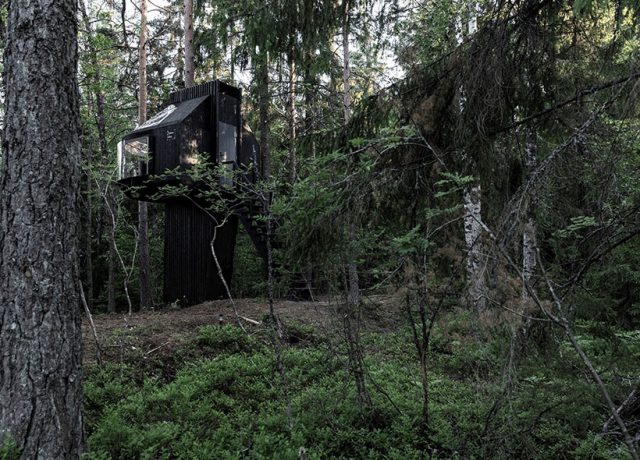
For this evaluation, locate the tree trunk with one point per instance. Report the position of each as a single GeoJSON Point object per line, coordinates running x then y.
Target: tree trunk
{"type": "Point", "coordinates": [40, 375]}
{"type": "Point", "coordinates": [352, 269]}
{"type": "Point", "coordinates": [146, 298]}
{"type": "Point", "coordinates": [262, 71]}
{"type": "Point", "coordinates": [111, 262]}
{"type": "Point", "coordinates": [88, 222]}
{"type": "Point", "coordinates": [291, 112]}
{"type": "Point", "coordinates": [350, 316]}
{"type": "Point", "coordinates": [189, 66]}
{"type": "Point", "coordinates": [528, 235]}
{"type": "Point", "coordinates": [472, 234]}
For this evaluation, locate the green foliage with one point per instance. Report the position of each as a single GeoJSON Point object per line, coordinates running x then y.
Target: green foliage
{"type": "Point", "coordinates": [233, 405]}
{"type": "Point", "coordinates": [225, 338]}
{"type": "Point", "coordinates": [249, 277]}
{"type": "Point", "coordinates": [9, 449]}
{"type": "Point", "coordinates": [577, 224]}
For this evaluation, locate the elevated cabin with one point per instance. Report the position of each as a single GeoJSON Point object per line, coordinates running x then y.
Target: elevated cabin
{"type": "Point", "coordinates": [201, 123]}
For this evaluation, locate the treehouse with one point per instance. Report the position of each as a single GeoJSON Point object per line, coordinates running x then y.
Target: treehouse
{"type": "Point", "coordinates": [201, 125]}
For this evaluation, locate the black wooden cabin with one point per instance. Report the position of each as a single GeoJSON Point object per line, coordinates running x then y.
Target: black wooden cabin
{"type": "Point", "coordinates": [202, 123]}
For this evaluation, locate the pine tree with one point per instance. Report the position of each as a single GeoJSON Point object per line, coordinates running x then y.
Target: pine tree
{"type": "Point", "coordinates": [40, 374]}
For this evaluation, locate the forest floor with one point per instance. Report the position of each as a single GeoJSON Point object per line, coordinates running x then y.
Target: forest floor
{"type": "Point", "coordinates": [155, 335]}
{"type": "Point", "coordinates": [174, 383]}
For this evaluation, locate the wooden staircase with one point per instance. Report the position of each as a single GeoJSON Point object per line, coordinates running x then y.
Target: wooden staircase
{"type": "Point", "coordinates": [252, 214]}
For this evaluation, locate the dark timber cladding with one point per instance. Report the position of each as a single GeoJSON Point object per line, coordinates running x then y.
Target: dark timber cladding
{"type": "Point", "coordinates": [199, 123]}
{"type": "Point", "coordinates": [190, 274]}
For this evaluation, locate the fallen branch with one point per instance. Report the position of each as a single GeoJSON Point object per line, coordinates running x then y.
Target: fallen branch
{"type": "Point", "coordinates": [249, 320]}
{"type": "Point", "coordinates": [153, 350]}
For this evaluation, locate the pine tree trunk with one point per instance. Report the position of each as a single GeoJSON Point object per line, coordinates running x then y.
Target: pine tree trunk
{"type": "Point", "coordinates": [189, 65]}
{"type": "Point", "coordinates": [291, 112]}
{"type": "Point", "coordinates": [146, 298]}
{"type": "Point", "coordinates": [262, 71]}
{"type": "Point", "coordinates": [350, 316]}
{"type": "Point", "coordinates": [352, 269]}
{"type": "Point", "coordinates": [86, 213]}
{"type": "Point", "coordinates": [40, 374]}
{"type": "Point", "coordinates": [111, 262]}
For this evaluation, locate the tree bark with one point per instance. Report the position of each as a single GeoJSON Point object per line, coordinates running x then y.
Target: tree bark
{"type": "Point", "coordinates": [111, 262]}
{"type": "Point", "coordinates": [262, 70]}
{"type": "Point", "coordinates": [40, 342]}
{"type": "Point", "coordinates": [472, 233]}
{"type": "Point", "coordinates": [189, 65]}
{"type": "Point", "coordinates": [351, 317]}
{"type": "Point", "coordinates": [291, 111]}
{"type": "Point", "coordinates": [352, 268]}
{"type": "Point", "coordinates": [528, 235]}
{"type": "Point", "coordinates": [146, 297]}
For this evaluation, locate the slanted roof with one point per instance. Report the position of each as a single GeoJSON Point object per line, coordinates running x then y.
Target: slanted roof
{"type": "Point", "coordinates": [170, 115]}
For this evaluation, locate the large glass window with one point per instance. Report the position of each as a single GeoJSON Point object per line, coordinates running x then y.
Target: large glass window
{"type": "Point", "coordinates": [133, 157]}
{"type": "Point", "coordinates": [228, 153]}
{"type": "Point", "coordinates": [228, 142]}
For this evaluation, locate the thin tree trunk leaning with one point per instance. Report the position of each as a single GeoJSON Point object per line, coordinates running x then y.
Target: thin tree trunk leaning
{"type": "Point", "coordinates": [630, 408]}
{"type": "Point", "coordinates": [87, 311]}
{"type": "Point", "coordinates": [146, 297]}
{"type": "Point", "coordinates": [40, 336]}
{"type": "Point", "coordinates": [107, 195]}
{"type": "Point", "coordinates": [189, 65]}
{"type": "Point", "coordinates": [558, 318]}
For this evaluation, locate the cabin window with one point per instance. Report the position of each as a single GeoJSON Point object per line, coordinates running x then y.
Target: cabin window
{"type": "Point", "coordinates": [134, 157]}
{"type": "Point", "coordinates": [228, 143]}
{"type": "Point", "coordinates": [228, 154]}
{"type": "Point", "coordinates": [157, 118]}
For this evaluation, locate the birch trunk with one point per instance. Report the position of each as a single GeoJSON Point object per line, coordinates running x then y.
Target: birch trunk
{"type": "Point", "coordinates": [146, 298]}
{"type": "Point", "coordinates": [40, 343]}
{"type": "Point", "coordinates": [528, 235]}
{"type": "Point", "coordinates": [472, 195]}
{"type": "Point", "coordinates": [473, 242]}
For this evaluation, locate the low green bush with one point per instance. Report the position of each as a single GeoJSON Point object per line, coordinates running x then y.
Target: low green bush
{"type": "Point", "coordinates": [237, 403]}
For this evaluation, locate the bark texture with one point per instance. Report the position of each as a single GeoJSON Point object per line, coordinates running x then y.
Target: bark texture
{"type": "Point", "coordinates": [265, 126]}
{"type": "Point", "coordinates": [40, 346]}
{"type": "Point", "coordinates": [146, 298]}
{"type": "Point", "coordinates": [291, 115]}
{"type": "Point", "coordinates": [529, 232]}
{"type": "Point", "coordinates": [476, 289]}
{"type": "Point", "coordinates": [350, 315]}
{"type": "Point", "coordinates": [189, 66]}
